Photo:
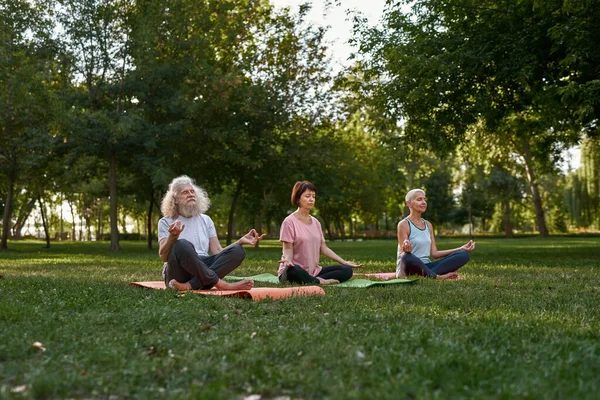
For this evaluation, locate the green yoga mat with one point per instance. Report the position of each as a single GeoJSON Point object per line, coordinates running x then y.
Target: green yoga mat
{"type": "Point", "coordinates": [269, 278]}
{"type": "Point", "coordinates": [355, 283]}
{"type": "Point", "coordinates": [363, 283]}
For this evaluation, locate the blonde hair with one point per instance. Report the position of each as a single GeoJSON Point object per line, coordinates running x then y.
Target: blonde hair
{"type": "Point", "coordinates": [168, 206]}
{"type": "Point", "coordinates": [411, 194]}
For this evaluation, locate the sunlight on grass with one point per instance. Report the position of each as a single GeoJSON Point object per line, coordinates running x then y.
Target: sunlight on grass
{"type": "Point", "coordinates": [517, 308]}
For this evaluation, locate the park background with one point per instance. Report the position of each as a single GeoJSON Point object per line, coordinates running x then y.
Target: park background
{"type": "Point", "coordinates": [103, 102]}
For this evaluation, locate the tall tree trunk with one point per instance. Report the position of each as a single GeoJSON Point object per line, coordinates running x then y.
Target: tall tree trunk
{"type": "Point", "coordinates": [124, 221]}
{"type": "Point", "coordinates": [81, 228]}
{"type": "Point", "coordinates": [8, 208]}
{"type": "Point", "coordinates": [100, 220]}
{"type": "Point", "coordinates": [44, 220]}
{"type": "Point", "coordinates": [149, 220]}
{"type": "Point", "coordinates": [340, 225]}
{"type": "Point", "coordinates": [61, 226]}
{"type": "Point", "coordinates": [259, 223]}
{"type": "Point", "coordinates": [112, 190]}
{"type": "Point", "coordinates": [263, 213]}
{"type": "Point", "coordinates": [88, 227]}
{"type": "Point", "coordinates": [81, 216]}
{"type": "Point", "coordinates": [327, 228]}
{"type": "Point", "coordinates": [231, 222]}
{"type": "Point", "coordinates": [508, 232]}
{"type": "Point", "coordinates": [533, 186]}
{"type": "Point", "coordinates": [470, 216]}
{"type": "Point", "coordinates": [74, 225]}
{"type": "Point", "coordinates": [24, 213]}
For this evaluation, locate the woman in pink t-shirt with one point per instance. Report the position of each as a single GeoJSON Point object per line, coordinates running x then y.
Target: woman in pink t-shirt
{"type": "Point", "coordinates": [303, 243]}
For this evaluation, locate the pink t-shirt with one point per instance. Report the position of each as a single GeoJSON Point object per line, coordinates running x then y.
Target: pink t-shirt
{"type": "Point", "coordinates": [307, 239]}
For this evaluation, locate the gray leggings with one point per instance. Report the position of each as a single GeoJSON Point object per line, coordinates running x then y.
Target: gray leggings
{"type": "Point", "coordinates": [185, 265]}
{"type": "Point", "coordinates": [412, 265]}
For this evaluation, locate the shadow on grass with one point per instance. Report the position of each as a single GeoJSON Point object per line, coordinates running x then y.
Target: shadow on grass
{"type": "Point", "coordinates": [527, 327]}
{"type": "Point", "coordinates": [105, 338]}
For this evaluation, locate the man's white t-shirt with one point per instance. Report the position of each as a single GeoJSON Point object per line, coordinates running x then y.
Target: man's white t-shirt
{"type": "Point", "coordinates": [198, 231]}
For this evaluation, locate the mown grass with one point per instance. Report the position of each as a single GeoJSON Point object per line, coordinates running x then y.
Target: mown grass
{"type": "Point", "coordinates": [523, 323]}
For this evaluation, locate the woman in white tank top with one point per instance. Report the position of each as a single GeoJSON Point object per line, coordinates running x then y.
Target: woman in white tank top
{"type": "Point", "coordinates": [416, 245]}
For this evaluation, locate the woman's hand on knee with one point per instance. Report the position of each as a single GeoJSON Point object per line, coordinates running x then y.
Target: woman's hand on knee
{"type": "Point", "coordinates": [285, 263]}
{"type": "Point", "coordinates": [406, 246]}
{"type": "Point", "coordinates": [352, 264]}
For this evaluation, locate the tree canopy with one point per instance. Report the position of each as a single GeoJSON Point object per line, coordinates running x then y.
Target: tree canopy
{"type": "Point", "coordinates": [102, 103]}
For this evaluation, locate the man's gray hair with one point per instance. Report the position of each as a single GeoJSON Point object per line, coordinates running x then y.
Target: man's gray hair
{"type": "Point", "coordinates": [411, 194]}
{"type": "Point", "coordinates": [168, 206]}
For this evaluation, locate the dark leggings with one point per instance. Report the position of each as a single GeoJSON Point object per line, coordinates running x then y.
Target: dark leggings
{"type": "Point", "coordinates": [185, 265]}
{"type": "Point", "coordinates": [297, 274]}
{"type": "Point", "coordinates": [412, 265]}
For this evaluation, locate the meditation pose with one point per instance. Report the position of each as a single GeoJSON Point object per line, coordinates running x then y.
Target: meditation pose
{"type": "Point", "coordinates": [186, 236]}
{"type": "Point", "coordinates": [303, 242]}
{"type": "Point", "coordinates": [416, 244]}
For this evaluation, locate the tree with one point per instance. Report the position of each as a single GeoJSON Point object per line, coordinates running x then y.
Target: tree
{"type": "Point", "coordinates": [97, 35]}
{"type": "Point", "coordinates": [474, 198]}
{"type": "Point", "coordinates": [505, 187]}
{"type": "Point", "coordinates": [160, 57]}
{"type": "Point", "coordinates": [446, 66]}
{"type": "Point", "coordinates": [582, 189]}
{"type": "Point", "coordinates": [574, 34]}
{"type": "Point", "coordinates": [494, 174]}
{"type": "Point", "coordinates": [259, 71]}
{"type": "Point", "coordinates": [379, 162]}
{"type": "Point", "coordinates": [440, 202]}
{"type": "Point", "coordinates": [29, 65]}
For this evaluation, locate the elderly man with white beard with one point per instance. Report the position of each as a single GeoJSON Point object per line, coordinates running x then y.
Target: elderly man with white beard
{"type": "Point", "coordinates": [186, 236]}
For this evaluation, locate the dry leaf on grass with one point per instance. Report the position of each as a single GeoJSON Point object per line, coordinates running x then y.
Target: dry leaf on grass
{"type": "Point", "coordinates": [19, 389]}
{"type": "Point", "coordinates": [38, 346]}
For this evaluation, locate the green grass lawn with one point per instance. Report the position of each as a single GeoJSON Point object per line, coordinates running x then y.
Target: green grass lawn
{"type": "Point", "coordinates": [524, 322]}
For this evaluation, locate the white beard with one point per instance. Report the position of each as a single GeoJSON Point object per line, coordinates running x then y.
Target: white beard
{"type": "Point", "coordinates": [188, 210]}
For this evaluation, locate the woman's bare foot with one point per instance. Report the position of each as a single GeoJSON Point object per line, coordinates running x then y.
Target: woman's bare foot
{"type": "Point", "coordinates": [449, 275]}
{"type": "Point", "coordinates": [241, 285]}
{"type": "Point", "coordinates": [173, 284]}
{"type": "Point", "coordinates": [327, 281]}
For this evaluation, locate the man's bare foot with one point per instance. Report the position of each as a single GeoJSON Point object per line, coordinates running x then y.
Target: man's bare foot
{"type": "Point", "coordinates": [173, 284]}
{"type": "Point", "coordinates": [241, 285]}
{"type": "Point", "coordinates": [449, 275]}
{"type": "Point", "coordinates": [327, 281]}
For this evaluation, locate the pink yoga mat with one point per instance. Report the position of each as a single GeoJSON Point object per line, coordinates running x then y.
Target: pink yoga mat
{"type": "Point", "coordinates": [255, 294]}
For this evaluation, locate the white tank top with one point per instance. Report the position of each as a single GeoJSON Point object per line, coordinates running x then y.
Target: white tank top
{"type": "Point", "coordinates": [420, 240]}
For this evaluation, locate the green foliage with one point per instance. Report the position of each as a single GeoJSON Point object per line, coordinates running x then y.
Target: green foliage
{"type": "Point", "coordinates": [440, 201]}
{"type": "Point", "coordinates": [30, 63]}
{"type": "Point", "coordinates": [501, 68]}
{"type": "Point", "coordinates": [522, 303]}
{"type": "Point", "coordinates": [232, 77]}
{"type": "Point", "coordinates": [582, 189]}
{"type": "Point", "coordinates": [122, 96]}
{"type": "Point", "coordinates": [573, 34]}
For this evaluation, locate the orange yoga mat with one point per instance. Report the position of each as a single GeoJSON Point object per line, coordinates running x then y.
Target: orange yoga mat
{"type": "Point", "coordinates": [255, 294]}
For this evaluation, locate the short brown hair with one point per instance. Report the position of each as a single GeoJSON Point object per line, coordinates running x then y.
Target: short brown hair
{"type": "Point", "coordinates": [299, 188]}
